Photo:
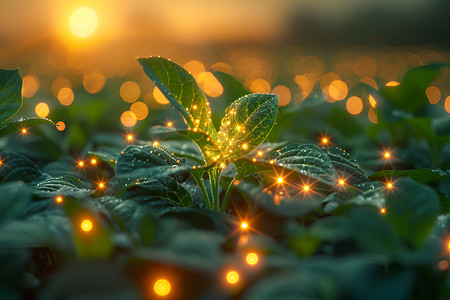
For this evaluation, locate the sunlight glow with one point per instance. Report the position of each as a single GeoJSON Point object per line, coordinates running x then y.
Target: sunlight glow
{"type": "Point", "coordinates": [83, 22]}
{"type": "Point", "coordinates": [387, 155]}
{"type": "Point", "coordinates": [162, 287]}
{"type": "Point", "coordinates": [244, 225]}
{"type": "Point", "coordinates": [280, 180]}
{"type": "Point", "coordinates": [59, 199]}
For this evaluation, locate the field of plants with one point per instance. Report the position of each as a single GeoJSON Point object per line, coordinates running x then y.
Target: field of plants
{"type": "Point", "coordinates": [225, 181]}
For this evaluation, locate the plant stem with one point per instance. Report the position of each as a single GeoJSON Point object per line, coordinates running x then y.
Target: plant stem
{"type": "Point", "coordinates": [198, 178]}
{"type": "Point", "coordinates": [214, 176]}
{"type": "Point", "coordinates": [227, 195]}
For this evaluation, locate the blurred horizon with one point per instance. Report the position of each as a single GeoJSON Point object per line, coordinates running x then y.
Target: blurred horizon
{"type": "Point", "coordinates": [287, 46]}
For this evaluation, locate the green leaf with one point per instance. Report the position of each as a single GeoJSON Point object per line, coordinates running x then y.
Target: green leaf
{"type": "Point", "coordinates": [308, 160]}
{"type": "Point", "coordinates": [247, 123]}
{"type": "Point", "coordinates": [410, 94]}
{"type": "Point", "coordinates": [207, 146]}
{"type": "Point", "coordinates": [17, 126]}
{"type": "Point", "coordinates": [15, 166]}
{"type": "Point", "coordinates": [412, 209]}
{"type": "Point", "coordinates": [61, 186]}
{"type": "Point", "coordinates": [232, 87]}
{"type": "Point", "coordinates": [10, 94]}
{"type": "Point", "coordinates": [345, 166]}
{"type": "Point", "coordinates": [15, 198]}
{"type": "Point", "coordinates": [181, 89]}
{"type": "Point", "coordinates": [424, 175]}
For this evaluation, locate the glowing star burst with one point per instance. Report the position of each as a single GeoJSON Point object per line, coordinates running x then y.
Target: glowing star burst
{"type": "Point", "coordinates": [306, 188]}
{"type": "Point", "coordinates": [383, 211]}
{"type": "Point", "coordinates": [155, 144]}
{"type": "Point", "coordinates": [169, 124]}
{"type": "Point", "coordinates": [162, 287]}
{"type": "Point", "coordinates": [232, 277]}
{"type": "Point", "coordinates": [81, 163]}
{"type": "Point", "coordinates": [387, 155]}
{"type": "Point", "coordinates": [130, 137]}
{"type": "Point", "coordinates": [244, 225]}
{"type": "Point", "coordinates": [341, 182]}
{"type": "Point", "coordinates": [93, 161]}
{"type": "Point", "coordinates": [280, 180]}
{"type": "Point", "coordinates": [59, 199]}
{"type": "Point", "coordinates": [86, 225]}
{"type": "Point", "coordinates": [245, 146]}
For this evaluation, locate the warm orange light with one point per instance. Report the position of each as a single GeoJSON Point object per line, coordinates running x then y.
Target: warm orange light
{"type": "Point", "coordinates": [162, 287]}
{"type": "Point", "coordinates": [306, 188]}
{"type": "Point", "coordinates": [383, 211]}
{"type": "Point", "coordinates": [24, 131]}
{"type": "Point", "coordinates": [443, 264]}
{"type": "Point", "coordinates": [169, 124]}
{"type": "Point", "coordinates": [392, 83]}
{"type": "Point", "coordinates": [130, 91]}
{"type": "Point", "coordinates": [60, 126]}
{"type": "Point", "coordinates": [86, 225]}
{"type": "Point", "coordinates": [101, 185]}
{"type": "Point", "coordinates": [81, 163]}
{"type": "Point", "coordinates": [354, 105]}
{"type": "Point", "coordinates": [260, 153]}
{"type": "Point", "coordinates": [59, 199]}
{"type": "Point", "coordinates": [387, 155]}
{"type": "Point", "coordinates": [155, 144]}
{"type": "Point", "coordinates": [280, 180]}
{"type": "Point", "coordinates": [93, 161]}
{"type": "Point", "coordinates": [389, 185]}
{"type": "Point", "coordinates": [244, 225]}
{"type": "Point", "coordinates": [66, 96]}
{"type": "Point", "coordinates": [232, 277]}
{"type": "Point", "coordinates": [83, 22]}
{"type": "Point", "coordinates": [324, 141]}
{"type": "Point", "coordinates": [341, 182]}
{"type": "Point", "coordinates": [252, 259]}
{"type": "Point", "coordinates": [42, 110]}
{"type": "Point", "coordinates": [245, 146]}
{"type": "Point", "coordinates": [140, 109]}
{"type": "Point", "coordinates": [128, 119]}
{"type": "Point", "coordinates": [130, 137]}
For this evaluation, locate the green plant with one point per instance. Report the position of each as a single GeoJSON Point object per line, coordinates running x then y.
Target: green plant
{"type": "Point", "coordinates": [247, 122]}
{"type": "Point", "coordinates": [11, 102]}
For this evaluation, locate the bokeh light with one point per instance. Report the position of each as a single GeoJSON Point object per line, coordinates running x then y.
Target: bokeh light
{"type": "Point", "coordinates": [338, 90]}
{"type": "Point", "coordinates": [232, 277]}
{"type": "Point", "coordinates": [58, 84]}
{"type": "Point", "coordinates": [252, 259]}
{"type": "Point", "coordinates": [94, 82]}
{"type": "Point", "coordinates": [128, 119]}
{"type": "Point", "coordinates": [162, 287]}
{"type": "Point", "coordinates": [30, 85]}
{"type": "Point", "coordinates": [140, 109]}
{"type": "Point", "coordinates": [42, 110]}
{"type": "Point", "coordinates": [447, 104]}
{"type": "Point", "coordinates": [260, 86]}
{"type": "Point", "coordinates": [209, 84]}
{"type": "Point", "coordinates": [60, 126]}
{"type": "Point", "coordinates": [354, 105]}
{"type": "Point", "coordinates": [66, 96]}
{"type": "Point", "coordinates": [194, 67]}
{"type": "Point", "coordinates": [159, 96]}
{"type": "Point", "coordinates": [83, 22]}
{"type": "Point", "coordinates": [130, 91]}
{"type": "Point", "coordinates": [86, 225]}
{"type": "Point", "coordinates": [284, 94]}
{"type": "Point", "coordinates": [433, 94]}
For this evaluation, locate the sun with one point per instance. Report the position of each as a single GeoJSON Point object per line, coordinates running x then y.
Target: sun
{"type": "Point", "coordinates": [83, 22]}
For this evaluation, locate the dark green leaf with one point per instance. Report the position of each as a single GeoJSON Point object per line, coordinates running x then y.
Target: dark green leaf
{"type": "Point", "coordinates": [15, 197]}
{"type": "Point", "coordinates": [15, 166]}
{"type": "Point", "coordinates": [10, 94]}
{"type": "Point", "coordinates": [424, 175]}
{"type": "Point", "coordinates": [17, 126]}
{"type": "Point", "coordinates": [412, 209]}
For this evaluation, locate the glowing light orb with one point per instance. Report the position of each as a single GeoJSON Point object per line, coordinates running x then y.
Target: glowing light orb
{"type": "Point", "coordinates": [59, 199]}
{"type": "Point", "coordinates": [162, 287]}
{"type": "Point", "coordinates": [244, 146]}
{"type": "Point", "coordinates": [86, 225]}
{"type": "Point", "coordinates": [169, 124]}
{"type": "Point", "coordinates": [81, 163]}
{"type": "Point", "coordinates": [389, 185]}
{"type": "Point", "coordinates": [244, 225]}
{"type": "Point", "coordinates": [306, 188]}
{"type": "Point", "coordinates": [129, 137]}
{"type": "Point", "coordinates": [232, 277]}
{"type": "Point", "coordinates": [24, 131]}
{"type": "Point", "coordinates": [93, 161]}
{"type": "Point", "coordinates": [383, 211]}
{"type": "Point", "coordinates": [83, 22]}
{"type": "Point", "coordinates": [61, 126]}
{"type": "Point", "coordinates": [42, 110]}
{"type": "Point", "coordinates": [101, 185]}
{"type": "Point", "coordinates": [324, 141]}
{"type": "Point", "coordinates": [252, 259]}
{"type": "Point", "coordinates": [341, 182]}
{"type": "Point", "coordinates": [280, 180]}
{"type": "Point", "coordinates": [387, 155]}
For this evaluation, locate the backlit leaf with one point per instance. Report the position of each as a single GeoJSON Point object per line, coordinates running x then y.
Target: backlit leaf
{"type": "Point", "coordinates": [10, 94]}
